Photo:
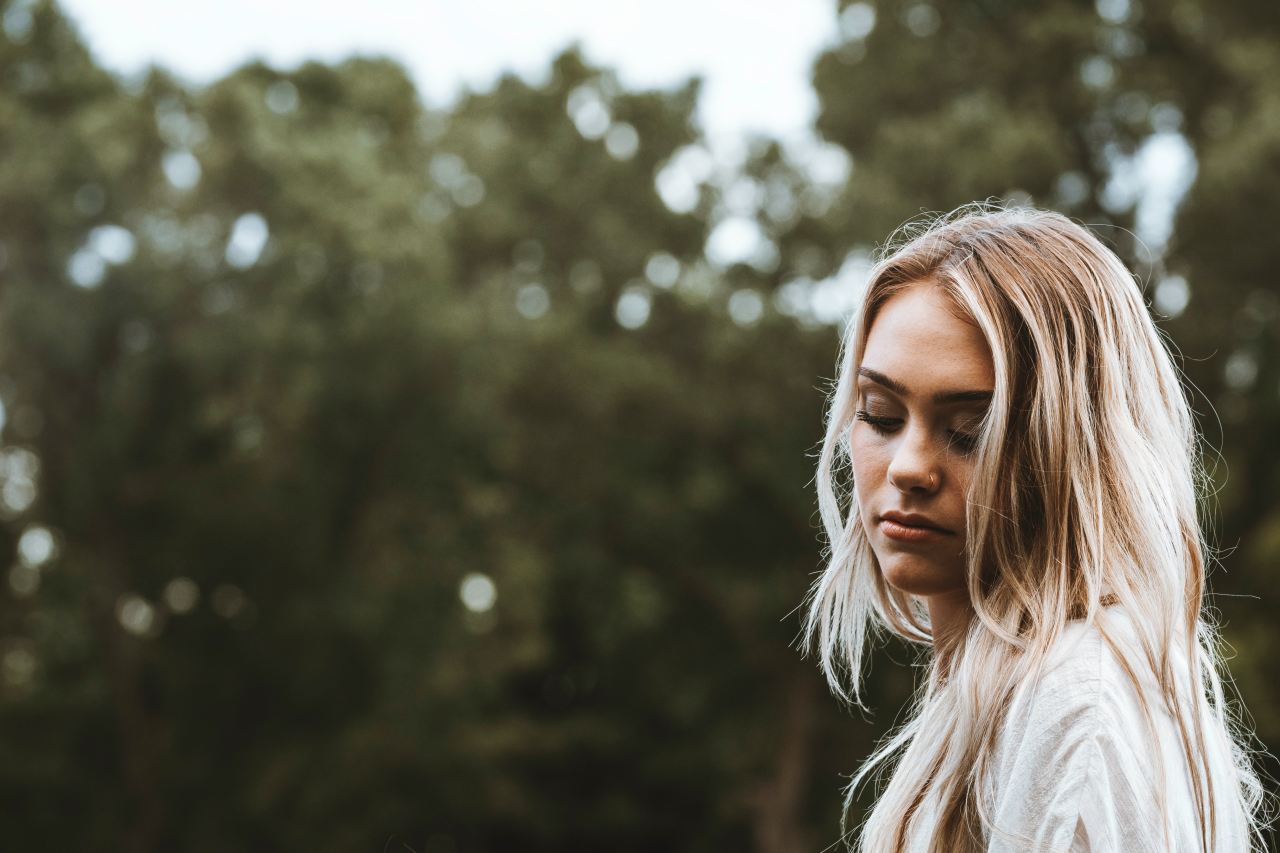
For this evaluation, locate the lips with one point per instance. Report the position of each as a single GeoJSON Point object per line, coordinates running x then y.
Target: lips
{"type": "Point", "coordinates": [910, 529]}
{"type": "Point", "coordinates": [905, 519]}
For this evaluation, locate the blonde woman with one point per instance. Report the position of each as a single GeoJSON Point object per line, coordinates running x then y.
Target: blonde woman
{"type": "Point", "coordinates": [1009, 475]}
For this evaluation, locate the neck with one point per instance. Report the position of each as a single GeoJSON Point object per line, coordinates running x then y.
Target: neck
{"type": "Point", "coordinates": [949, 613]}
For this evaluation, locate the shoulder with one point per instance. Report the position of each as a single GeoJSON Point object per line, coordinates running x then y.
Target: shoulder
{"type": "Point", "coordinates": [1092, 679]}
{"type": "Point", "coordinates": [1063, 702]}
{"type": "Point", "coordinates": [1077, 738]}
{"type": "Point", "coordinates": [1092, 676]}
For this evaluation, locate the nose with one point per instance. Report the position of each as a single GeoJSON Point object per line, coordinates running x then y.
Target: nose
{"type": "Point", "coordinates": [914, 468]}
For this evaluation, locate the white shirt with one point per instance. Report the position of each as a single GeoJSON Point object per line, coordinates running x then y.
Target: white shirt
{"type": "Point", "coordinates": [1075, 766]}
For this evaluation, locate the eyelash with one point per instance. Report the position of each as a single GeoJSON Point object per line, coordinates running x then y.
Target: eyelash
{"type": "Point", "coordinates": [963, 442]}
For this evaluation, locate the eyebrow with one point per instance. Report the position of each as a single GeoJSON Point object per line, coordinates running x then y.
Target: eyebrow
{"type": "Point", "coordinates": [941, 397]}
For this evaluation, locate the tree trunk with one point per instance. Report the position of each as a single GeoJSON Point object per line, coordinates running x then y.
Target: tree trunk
{"type": "Point", "coordinates": [138, 749]}
{"type": "Point", "coordinates": [778, 824]}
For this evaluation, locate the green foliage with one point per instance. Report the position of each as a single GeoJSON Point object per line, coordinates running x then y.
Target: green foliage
{"type": "Point", "coordinates": [291, 361]}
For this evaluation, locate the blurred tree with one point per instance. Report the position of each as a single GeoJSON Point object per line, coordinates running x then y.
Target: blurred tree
{"type": "Point", "coordinates": [1222, 289]}
{"type": "Point", "coordinates": [297, 359]}
{"type": "Point", "coordinates": [377, 476]}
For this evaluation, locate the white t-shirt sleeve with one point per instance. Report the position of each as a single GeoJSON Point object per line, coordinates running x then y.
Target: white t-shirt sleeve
{"type": "Point", "coordinates": [1120, 794]}
{"type": "Point", "coordinates": [1045, 762]}
{"type": "Point", "coordinates": [1079, 766]}
{"type": "Point", "coordinates": [1116, 800]}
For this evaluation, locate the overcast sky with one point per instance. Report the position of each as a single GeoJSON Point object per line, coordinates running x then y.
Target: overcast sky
{"type": "Point", "coordinates": [754, 55]}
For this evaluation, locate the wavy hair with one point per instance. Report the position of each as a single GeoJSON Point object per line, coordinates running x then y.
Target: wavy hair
{"type": "Point", "coordinates": [1084, 491]}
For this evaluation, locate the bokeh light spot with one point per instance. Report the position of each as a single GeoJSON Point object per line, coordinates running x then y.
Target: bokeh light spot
{"type": "Point", "coordinates": [833, 300]}
{"type": "Point", "coordinates": [622, 141]}
{"type": "Point", "coordinates": [469, 191]}
{"type": "Point", "coordinates": [588, 111]}
{"type": "Point", "coordinates": [1172, 295]}
{"type": "Point", "coordinates": [791, 299]}
{"type": "Point", "coordinates": [135, 336]}
{"type": "Point", "coordinates": [19, 462]}
{"type": "Point", "coordinates": [282, 97]}
{"type": "Point", "coordinates": [1097, 72]}
{"type": "Point", "coordinates": [632, 310]}
{"type": "Point", "coordinates": [662, 269]}
{"type": "Point", "coordinates": [181, 169]}
{"type": "Point", "coordinates": [922, 19]}
{"type": "Point", "coordinates": [228, 601]}
{"type": "Point", "coordinates": [743, 197]}
{"type": "Point", "coordinates": [478, 592]}
{"type": "Point", "coordinates": [679, 182]}
{"type": "Point", "coordinates": [735, 239]}
{"type": "Point", "coordinates": [113, 244]}
{"type": "Point", "coordinates": [1241, 370]}
{"type": "Point", "coordinates": [17, 495]}
{"type": "Point", "coordinates": [248, 239]}
{"type": "Point", "coordinates": [1113, 11]}
{"type": "Point", "coordinates": [857, 21]}
{"type": "Point", "coordinates": [36, 546]}
{"type": "Point", "coordinates": [746, 307]}
{"type": "Point", "coordinates": [1071, 189]}
{"type": "Point", "coordinates": [86, 268]}
{"type": "Point", "coordinates": [135, 614]}
{"type": "Point", "coordinates": [18, 666]}
{"type": "Point", "coordinates": [447, 169]}
{"type": "Point", "coordinates": [181, 595]}
{"type": "Point", "coordinates": [829, 165]}
{"type": "Point", "coordinates": [18, 24]}
{"type": "Point", "coordinates": [532, 300]}
{"type": "Point", "coordinates": [177, 127]}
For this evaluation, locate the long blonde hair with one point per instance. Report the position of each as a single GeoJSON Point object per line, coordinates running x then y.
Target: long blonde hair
{"type": "Point", "coordinates": [1084, 491]}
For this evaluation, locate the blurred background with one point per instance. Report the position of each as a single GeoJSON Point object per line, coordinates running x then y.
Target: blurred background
{"type": "Point", "coordinates": [409, 415]}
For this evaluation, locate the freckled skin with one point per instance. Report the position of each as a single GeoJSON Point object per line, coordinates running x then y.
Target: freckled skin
{"type": "Point", "coordinates": [918, 340]}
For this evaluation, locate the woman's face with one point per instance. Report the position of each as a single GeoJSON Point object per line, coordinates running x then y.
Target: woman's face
{"type": "Point", "coordinates": [922, 388]}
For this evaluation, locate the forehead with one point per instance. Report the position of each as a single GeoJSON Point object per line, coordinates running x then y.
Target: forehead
{"type": "Point", "coordinates": [919, 338]}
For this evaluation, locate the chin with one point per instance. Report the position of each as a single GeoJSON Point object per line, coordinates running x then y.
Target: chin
{"type": "Point", "coordinates": [911, 574]}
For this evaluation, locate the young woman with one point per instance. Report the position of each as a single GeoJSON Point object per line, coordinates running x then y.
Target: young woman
{"type": "Point", "coordinates": [1009, 475]}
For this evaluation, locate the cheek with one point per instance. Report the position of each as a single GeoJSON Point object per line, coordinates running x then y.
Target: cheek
{"type": "Point", "coordinates": [870, 464]}
{"type": "Point", "coordinates": [958, 498]}
{"type": "Point", "coordinates": [960, 474]}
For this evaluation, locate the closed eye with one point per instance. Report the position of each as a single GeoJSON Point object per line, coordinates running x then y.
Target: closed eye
{"type": "Point", "coordinates": [884, 426]}
{"type": "Point", "coordinates": [962, 442]}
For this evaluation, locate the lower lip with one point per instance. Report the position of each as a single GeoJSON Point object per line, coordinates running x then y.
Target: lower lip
{"type": "Point", "coordinates": [906, 533]}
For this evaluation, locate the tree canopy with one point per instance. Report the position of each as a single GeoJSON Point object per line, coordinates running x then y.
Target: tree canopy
{"type": "Point", "coordinates": [377, 477]}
